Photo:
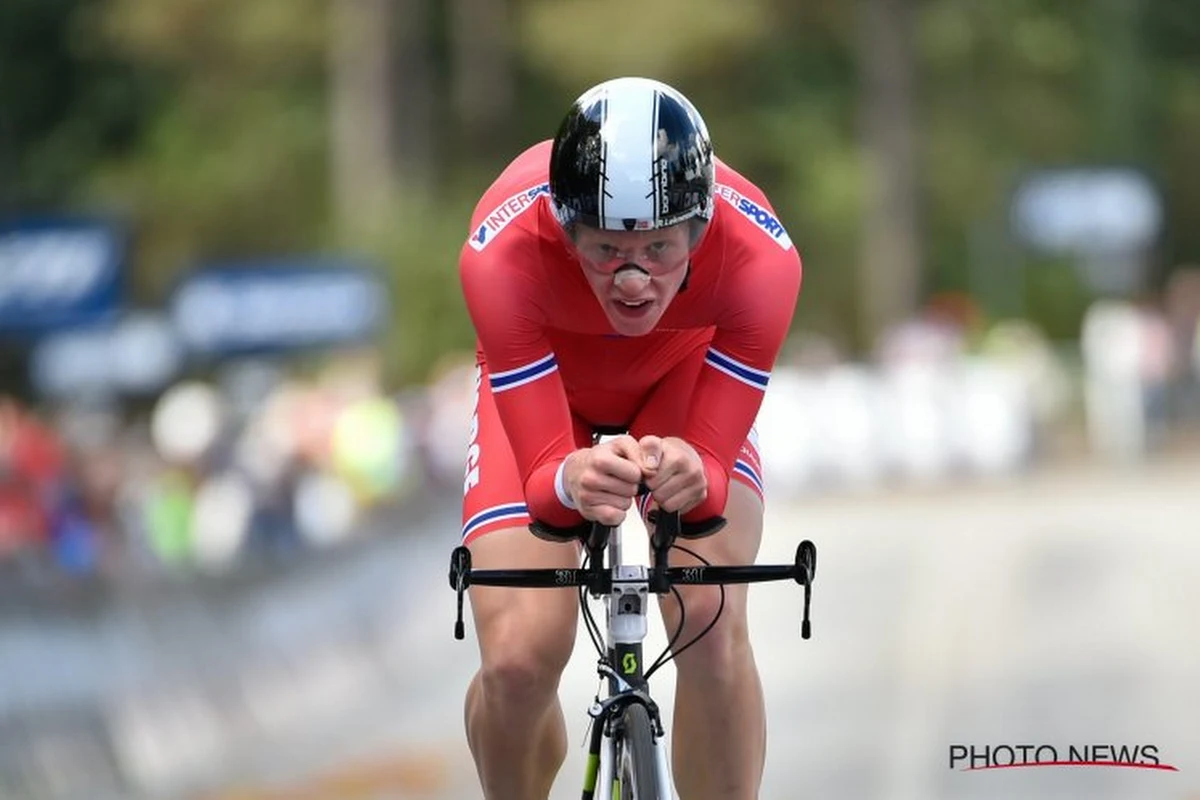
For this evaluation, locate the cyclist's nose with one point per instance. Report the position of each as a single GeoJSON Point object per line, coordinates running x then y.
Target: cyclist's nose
{"type": "Point", "coordinates": [630, 279]}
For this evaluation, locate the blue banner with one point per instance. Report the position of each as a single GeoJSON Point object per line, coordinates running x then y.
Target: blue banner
{"type": "Point", "coordinates": [58, 273]}
{"type": "Point", "coordinates": [278, 306]}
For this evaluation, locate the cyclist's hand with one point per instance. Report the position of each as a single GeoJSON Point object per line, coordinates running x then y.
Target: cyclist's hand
{"type": "Point", "coordinates": [603, 480]}
{"type": "Point", "coordinates": [674, 472]}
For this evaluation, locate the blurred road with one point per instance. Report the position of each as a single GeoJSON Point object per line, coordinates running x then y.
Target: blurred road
{"type": "Point", "coordinates": [1058, 610]}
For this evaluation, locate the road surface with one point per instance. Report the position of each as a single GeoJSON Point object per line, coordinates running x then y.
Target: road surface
{"type": "Point", "coordinates": [1055, 610]}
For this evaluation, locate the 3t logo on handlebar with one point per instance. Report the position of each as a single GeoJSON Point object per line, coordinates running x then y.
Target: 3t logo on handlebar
{"type": "Point", "coordinates": [693, 574]}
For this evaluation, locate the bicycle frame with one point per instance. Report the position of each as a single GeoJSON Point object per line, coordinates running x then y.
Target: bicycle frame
{"type": "Point", "coordinates": [627, 588]}
{"type": "Point", "coordinates": [627, 625]}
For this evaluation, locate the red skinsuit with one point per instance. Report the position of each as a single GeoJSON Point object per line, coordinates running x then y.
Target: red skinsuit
{"type": "Point", "coordinates": [551, 369]}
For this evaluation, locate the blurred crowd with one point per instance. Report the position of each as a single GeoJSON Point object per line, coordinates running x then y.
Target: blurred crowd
{"type": "Point", "coordinates": [255, 462]}
{"type": "Point", "coordinates": [260, 461]}
{"type": "Point", "coordinates": [949, 397]}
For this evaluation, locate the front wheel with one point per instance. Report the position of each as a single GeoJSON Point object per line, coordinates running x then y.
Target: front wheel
{"type": "Point", "coordinates": [636, 760]}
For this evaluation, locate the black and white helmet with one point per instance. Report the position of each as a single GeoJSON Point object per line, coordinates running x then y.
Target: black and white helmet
{"type": "Point", "coordinates": [631, 154]}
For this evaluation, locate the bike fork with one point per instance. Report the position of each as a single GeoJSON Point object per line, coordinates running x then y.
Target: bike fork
{"type": "Point", "coordinates": [626, 615]}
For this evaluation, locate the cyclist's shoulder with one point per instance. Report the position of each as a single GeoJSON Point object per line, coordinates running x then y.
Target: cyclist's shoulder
{"type": "Point", "coordinates": [504, 254]}
{"type": "Point", "coordinates": [747, 215]}
{"type": "Point", "coordinates": [514, 191]}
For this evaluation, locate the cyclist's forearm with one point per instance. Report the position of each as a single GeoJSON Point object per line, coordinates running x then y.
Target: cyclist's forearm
{"type": "Point", "coordinates": [718, 490]}
{"type": "Point", "coordinates": [543, 498]}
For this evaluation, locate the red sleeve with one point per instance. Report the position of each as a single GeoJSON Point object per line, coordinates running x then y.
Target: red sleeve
{"type": "Point", "coordinates": [758, 297]}
{"type": "Point", "coordinates": [503, 299]}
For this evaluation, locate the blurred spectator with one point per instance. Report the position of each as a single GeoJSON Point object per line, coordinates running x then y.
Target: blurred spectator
{"type": "Point", "coordinates": [1157, 369]}
{"type": "Point", "coordinates": [1112, 396]}
{"type": "Point", "coordinates": [32, 465]}
{"type": "Point", "coordinates": [927, 339]}
{"type": "Point", "coordinates": [256, 462]}
{"type": "Point", "coordinates": [262, 460]}
{"type": "Point", "coordinates": [1181, 301]}
{"type": "Point", "coordinates": [1128, 357]}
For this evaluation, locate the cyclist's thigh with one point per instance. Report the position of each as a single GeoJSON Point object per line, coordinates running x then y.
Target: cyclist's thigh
{"type": "Point", "coordinates": [495, 527]}
{"type": "Point", "coordinates": [539, 623]}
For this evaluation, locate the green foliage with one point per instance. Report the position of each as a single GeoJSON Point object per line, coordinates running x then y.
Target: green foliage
{"type": "Point", "coordinates": [582, 42]}
{"type": "Point", "coordinates": [430, 318]}
{"type": "Point", "coordinates": [207, 123]}
{"type": "Point", "coordinates": [1055, 297]}
{"type": "Point", "coordinates": [235, 163]}
{"type": "Point", "coordinates": [66, 101]}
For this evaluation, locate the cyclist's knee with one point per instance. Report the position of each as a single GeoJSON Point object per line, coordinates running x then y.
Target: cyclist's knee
{"type": "Point", "coordinates": [523, 655]}
{"type": "Point", "coordinates": [518, 672]}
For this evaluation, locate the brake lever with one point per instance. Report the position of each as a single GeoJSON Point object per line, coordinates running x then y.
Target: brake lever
{"type": "Point", "coordinates": [460, 579]}
{"type": "Point", "coordinates": [804, 572]}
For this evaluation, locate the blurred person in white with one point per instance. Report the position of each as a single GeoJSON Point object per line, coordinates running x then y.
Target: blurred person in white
{"type": "Point", "coordinates": [848, 425]}
{"type": "Point", "coordinates": [1127, 356]}
{"type": "Point", "coordinates": [789, 421]}
{"type": "Point", "coordinates": [917, 359]}
{"type": "Point", "coordinates": [787, 429]}
{"type": "Point", "coordinates": [992, 419]}
{"type": "Point", "coordinates": [917, 406]}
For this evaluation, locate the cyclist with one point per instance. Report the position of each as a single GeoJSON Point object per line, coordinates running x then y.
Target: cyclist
{"type": "Point", "coordinates": [618, 277]}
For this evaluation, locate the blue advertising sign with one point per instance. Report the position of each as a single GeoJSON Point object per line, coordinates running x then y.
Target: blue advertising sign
{"type": "Point", "coordinates": [1090, 211]}
{"type": "Point", "coordinates": [139, 354]}
{"type": "Point", "coordinates": [58, 273]}
{"type": "Point", "coordinates": [277, 306]}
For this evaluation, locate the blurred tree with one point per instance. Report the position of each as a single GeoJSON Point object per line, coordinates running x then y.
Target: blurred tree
{"type": "Point", "coordinates": [235, 163]}
{"type": "Point", "coordinates": [381, 110]}
{"type": "Point", "coordinates": [1002, 93]}
{"type": "Point", "coordinates": [226, 128]}
{"type": "Point", "coordinates": [483, 75]}
{"type": "Point", "coordinates": [416, 91]}
{"type": "Point", "coordinates": [582, 42]}
{"type": "Point", "coordinates": [891, 259]}
{"type": "Point", "coordinates": [1171, 93]}
{"type": "Point", "coordinates": [66, 101]}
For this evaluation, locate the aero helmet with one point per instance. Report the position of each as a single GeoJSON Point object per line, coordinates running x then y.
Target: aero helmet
{"type": "Point", "coordinates": [631, 154]}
